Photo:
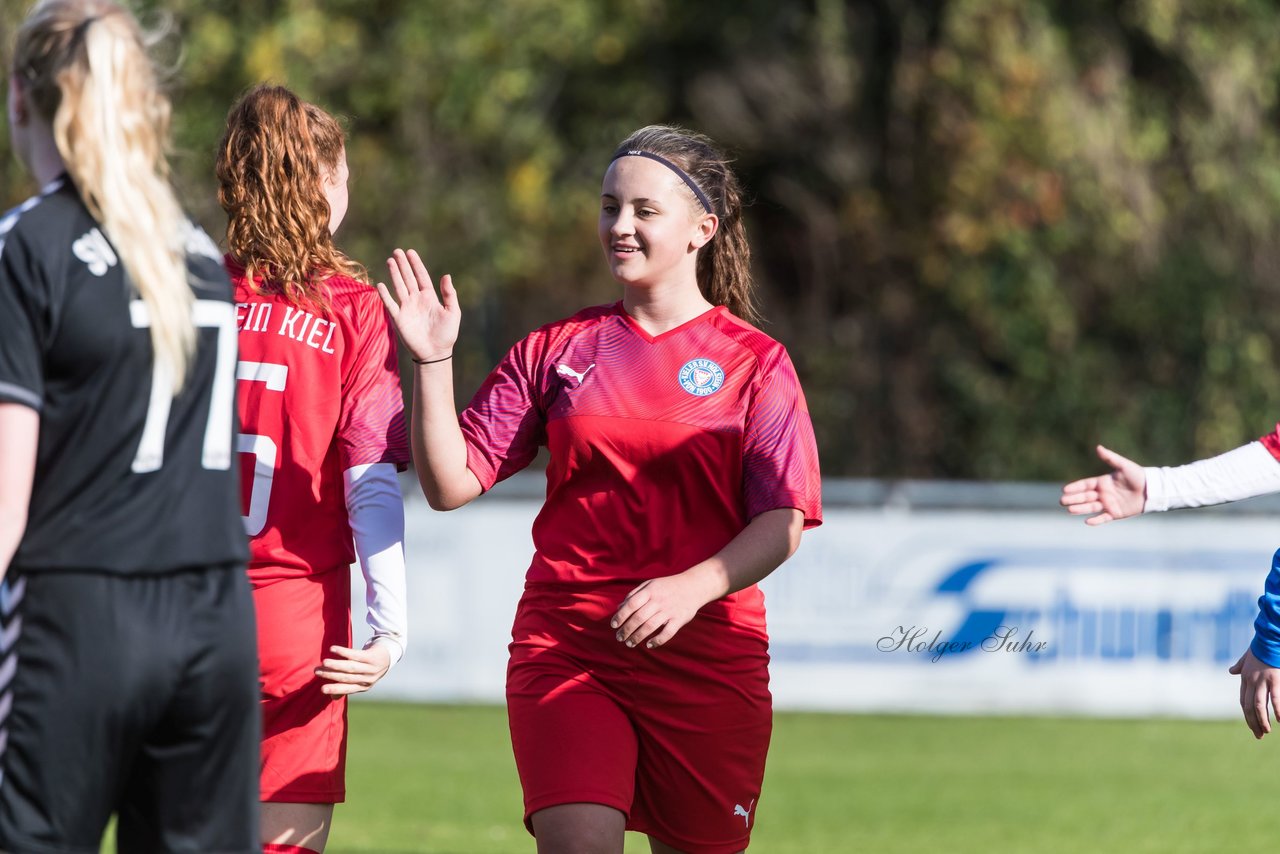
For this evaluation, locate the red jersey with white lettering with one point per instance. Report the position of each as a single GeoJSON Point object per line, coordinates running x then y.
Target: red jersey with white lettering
{"type": "Point", "coordinates": [318, 393]}
{"type": "Point", "coordinates": [662, 447]}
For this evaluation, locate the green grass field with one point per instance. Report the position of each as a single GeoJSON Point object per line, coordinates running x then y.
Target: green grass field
{"type": "Point", "coordinates": [441, 779]}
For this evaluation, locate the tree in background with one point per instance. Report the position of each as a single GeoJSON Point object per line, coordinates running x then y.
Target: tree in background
{"type": "Point", "coordinates": [991, 232]}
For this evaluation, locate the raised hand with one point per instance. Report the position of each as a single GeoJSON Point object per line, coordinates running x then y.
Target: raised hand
{"type": "Point", "coordinates": [1117, 495]}
{"type": "Point", "coordinates": [427, 325]}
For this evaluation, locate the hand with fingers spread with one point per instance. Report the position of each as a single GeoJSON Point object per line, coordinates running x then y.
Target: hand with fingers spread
{"type": "Point", "coordinates": [653, 612]}
{"type": "Point", "coordinates": [427, 324]}
{"type": "Point", "coordinates": [428, 327]}
{"type": "Point", "coordinates": [1118, 495]}
{"type": "Point", "coordinates": [354, 671]}
{"type": "Point", "coordinates": [1259, 689]}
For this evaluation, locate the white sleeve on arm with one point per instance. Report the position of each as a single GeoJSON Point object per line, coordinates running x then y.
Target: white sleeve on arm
{"type": "Point", "coordinates": [1246, 472]}
{"type": "Point", "coordinates": [376, 511]}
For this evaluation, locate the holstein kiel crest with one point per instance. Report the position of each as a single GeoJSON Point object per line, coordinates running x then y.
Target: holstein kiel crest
{"type": "Point", "coordinates": [701, 377]}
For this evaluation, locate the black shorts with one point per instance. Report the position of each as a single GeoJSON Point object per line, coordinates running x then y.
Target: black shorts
{"type": "Point", "coordinates": [134, 695]}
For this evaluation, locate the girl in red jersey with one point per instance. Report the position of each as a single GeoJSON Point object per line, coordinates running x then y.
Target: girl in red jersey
{"type": "Point", "coordinates": [323, 434]}
{"type": "Point", "coordinates": [683, 469]}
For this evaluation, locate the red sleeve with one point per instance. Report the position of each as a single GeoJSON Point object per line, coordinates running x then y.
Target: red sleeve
{"type": "Point", "coordinates": [371, 425]}
{"type": "Point", "coordinates": [780, 453]}
{"type": "Point", "coordinates": [1271, 442]}
{"type": "Point", "coordinates": [505, 423]}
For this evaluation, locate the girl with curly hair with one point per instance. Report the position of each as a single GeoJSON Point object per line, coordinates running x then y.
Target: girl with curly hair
{"type": "Point", "coordinates": [323, 434]}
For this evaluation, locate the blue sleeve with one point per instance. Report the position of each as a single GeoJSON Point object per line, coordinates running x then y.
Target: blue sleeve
{"type": "Point", "coordinates": [1266, 628]}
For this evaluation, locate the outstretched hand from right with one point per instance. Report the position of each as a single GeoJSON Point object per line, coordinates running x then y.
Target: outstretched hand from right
{"type": "Point", "coordinates": [1117, 495]}
{"type": "Point", "coordinates": [427, 325]}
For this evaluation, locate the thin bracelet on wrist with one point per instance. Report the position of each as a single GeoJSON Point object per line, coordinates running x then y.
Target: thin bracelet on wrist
{"type": "Point", "coordinates": [430, 361]}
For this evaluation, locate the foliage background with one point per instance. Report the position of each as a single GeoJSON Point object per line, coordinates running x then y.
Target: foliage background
{"type": "Point", "coordinates": [991, 232]}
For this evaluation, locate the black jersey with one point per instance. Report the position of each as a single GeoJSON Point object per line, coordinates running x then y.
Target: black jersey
{"type": "Point", "coordinates": [129, 478]}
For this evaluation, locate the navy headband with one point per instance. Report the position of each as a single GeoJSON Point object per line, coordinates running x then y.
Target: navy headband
{"type": "Point", "coordinates": [697, 191]}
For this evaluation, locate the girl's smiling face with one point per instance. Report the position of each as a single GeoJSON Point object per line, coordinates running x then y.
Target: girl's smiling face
{"type": "Point", "coordinates": [651, 227]}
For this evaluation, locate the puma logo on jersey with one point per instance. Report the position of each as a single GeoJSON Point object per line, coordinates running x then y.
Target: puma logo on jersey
{"type": "Point", "coordinates": [94, 250]}
{"type": "Point", "coordinates": [745, 812]}
{"type": "Point", "coordinates": [566, 371]}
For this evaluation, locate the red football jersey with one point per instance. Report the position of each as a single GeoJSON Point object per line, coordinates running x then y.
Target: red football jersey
{"type": "Point", "coordinates": [317, 393]}
{"type": "Point", "coordinates": [662, 447]}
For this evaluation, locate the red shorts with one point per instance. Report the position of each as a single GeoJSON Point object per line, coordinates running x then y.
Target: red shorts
{"type": "Point", "coordinates": [304, 731]}
{"type": "Point", "coordinates": [675, 738]}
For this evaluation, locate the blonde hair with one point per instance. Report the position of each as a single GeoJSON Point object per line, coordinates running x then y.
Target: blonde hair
{"type": "Point", "coordinates": [724, 264]}
{"type": "Point", "coordinates": [85, 67]}
{"type": "Point", "coordinates": [272, 162]}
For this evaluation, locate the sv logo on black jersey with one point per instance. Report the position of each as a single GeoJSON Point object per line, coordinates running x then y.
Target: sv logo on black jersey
{"type": "Point", "coordinates": [94, 250]}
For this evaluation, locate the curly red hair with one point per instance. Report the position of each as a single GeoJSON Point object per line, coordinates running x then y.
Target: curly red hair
{"type": "Point", "coordinates": [272, 162]}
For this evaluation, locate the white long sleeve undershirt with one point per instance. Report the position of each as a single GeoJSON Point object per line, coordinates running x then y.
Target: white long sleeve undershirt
{"type": "Point", "coordinates": [1245, 472]}
{"type": "Point", "coordinates": [376, 510]}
